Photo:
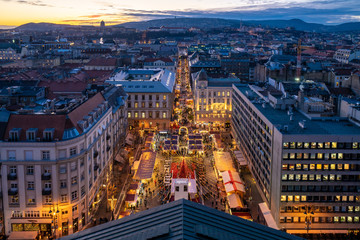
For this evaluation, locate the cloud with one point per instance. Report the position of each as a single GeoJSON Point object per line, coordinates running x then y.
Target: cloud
{"type": "Point", "coordinates": [32, 3]}
{"type": "Point", "coordinates": [320, 11]}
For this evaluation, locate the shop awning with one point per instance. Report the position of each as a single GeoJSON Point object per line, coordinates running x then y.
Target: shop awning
{"type": "Point", "coordinates": [27, 235]}
{"type": "Point", "coordinates": [265, 212]}
{"type": "Point", "coordinates": [120, 159]}
{"type": "Point", "coordinates": [146, 165]}
{"type": "Point", "coordinates": [129, 139]}
{"type": "Point", "coordinates": [130, 198]}
{"type": "Point", "coordinates": [235, 201]}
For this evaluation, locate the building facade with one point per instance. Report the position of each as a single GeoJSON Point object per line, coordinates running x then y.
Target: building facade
{"type": "Point", "coordinates": [306, 170]}
{"type": "Point", "coordinates": [150, 97]}
{"type": "Point", "coordinates": [212, 98]}
{"type": "Point", "coordinates": [56, 168]}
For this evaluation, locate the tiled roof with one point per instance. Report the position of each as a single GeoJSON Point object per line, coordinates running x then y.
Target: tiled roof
{"type": "Point", "coordinates": [41, 122]}
{"type": "Point", "coordinates": [168, 60]}
{"type": "Point", "coordinates": [181, 219]}
{"type": "Point", "coordinates": [102, 62]}
{"type": "Point", "coordinates": [83, 110]}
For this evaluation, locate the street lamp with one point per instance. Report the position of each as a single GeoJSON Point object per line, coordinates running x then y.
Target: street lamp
{"type": "Point", "coordinates": [54, 220]}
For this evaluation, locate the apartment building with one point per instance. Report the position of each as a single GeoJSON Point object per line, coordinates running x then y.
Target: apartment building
{"type": "Point", "coordinates": [306, 168]}
{"type": "Point", "coordinates": [150, 97]}
{"type": "Point", "coordinates": [56, 167]}
{"type": "Point", "coordinates": [212, 97]}
{"type": "Point", "coordinates": [159, 63]}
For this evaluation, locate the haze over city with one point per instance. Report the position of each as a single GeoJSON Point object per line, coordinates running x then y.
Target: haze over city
{"type": "Point", "coordinates": [17, 12]}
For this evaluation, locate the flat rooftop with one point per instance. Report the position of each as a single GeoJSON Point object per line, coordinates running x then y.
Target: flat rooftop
{"type": "Point", "coordinates": [279, 118]}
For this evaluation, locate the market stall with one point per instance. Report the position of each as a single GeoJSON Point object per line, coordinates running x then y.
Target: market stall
{"type": "Point", "coordinates": [146, 165]}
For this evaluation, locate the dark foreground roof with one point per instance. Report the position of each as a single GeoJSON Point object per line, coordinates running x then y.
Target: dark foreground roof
{"type": "Point", "coordinates": [181, 219]}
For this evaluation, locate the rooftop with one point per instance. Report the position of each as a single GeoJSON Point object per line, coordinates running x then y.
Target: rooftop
{"type": "Point", "coordinates": [181, 219]}
{"type": "Point", "coordinates": [314, 126]}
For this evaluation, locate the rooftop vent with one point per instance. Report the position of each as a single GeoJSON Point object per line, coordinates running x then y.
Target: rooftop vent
{"type": "Point", "coordinates": [302, 124]}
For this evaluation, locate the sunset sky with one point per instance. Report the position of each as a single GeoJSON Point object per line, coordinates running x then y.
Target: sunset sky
{"type": "Point", "coordinates": [17, 12]}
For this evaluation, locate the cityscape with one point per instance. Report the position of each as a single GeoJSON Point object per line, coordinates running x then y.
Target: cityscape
{"type": "Point", "coordinates": [179, 125]}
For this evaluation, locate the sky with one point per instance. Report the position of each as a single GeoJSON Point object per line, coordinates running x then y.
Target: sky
{"type": "Point", "coordinates": [91, 12]}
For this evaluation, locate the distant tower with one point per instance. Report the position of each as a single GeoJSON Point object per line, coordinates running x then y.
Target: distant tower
{"type": "Point", "coordinates": [102, 25]}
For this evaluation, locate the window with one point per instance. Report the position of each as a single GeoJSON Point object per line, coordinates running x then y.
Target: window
{"type": "Point", "coordinates": [74, 180]}
{"type": "Point", "coordinates": [48, 134]}
{"type": "Point", "coordinates": [62, 153]}
{"type": "Point", "coordinates": [30, 170]}
{"type": "Point", "coordinates": [14, 134]}
{"type": "Point", "coordinates": [74, 195]}
{"type": "Point", "coordinates": [150, 114]}
{"type": "Point", "coordinates": [129, 114]}
{"type": "Point", "coordinates": [28, 155]}
{"type": "Point", "coordinates": [83, 191]}
{"type": "Point", "coordinates": [12, 169]}
{"type": "Point", "coordinates": [47, 185]}
{"type": "Point", "coordinates": [157, 105]}
{"type": "Point", "coordinates": [73, 151]}
{"type": "Point", "coordinates": [177, 188]}
{"type": "Point", "coordinates": [136, 114]}
{"type": "Point", "coordinates": [30, 186]}
{"type": "Point", "coordinates": [164, 114]}
{"type": "Point", "coordinates": [157, 97]}
{"type": "Point", "coordinates": [143, 104]}
{"type": "Point", "coordinates": [334, 145]}
{"type": "Point", "coordinates": [48, 199]}
{"type": "Point", "coordinates": [142, 114]}
{"type": "Point", "coordinates": [45, 155]}
{"type": "Point", "coordinates": [164, 97]}
{"type": "Point", "coordinates": [64, 198]}
{"type": "Point", "coordinates": [31, 201]}
{"type": "Point", "coordinates": [12, 155]}
{"type": "Point", "coordinates": [62, 168]}
{"type": "Point", "coordinates": [185, 188]}
{"type": "Point", "coordinates": [63, 184]}
{"type": "Point", "coordinates": [73, 166]}
{"type": "Point", "coordinates": [31, 134]}
{"type": "Point", "coordinates": [136, 105]}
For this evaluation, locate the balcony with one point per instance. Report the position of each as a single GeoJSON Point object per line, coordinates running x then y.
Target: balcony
{"type": "Point", "coordinates": [46, 191]}
{"type": "Point", "coordinates": [46, 176]}
{"type": "Point", "coordinates": [12, 191]}
{"type": "Point", "coordinates": [12, 176]}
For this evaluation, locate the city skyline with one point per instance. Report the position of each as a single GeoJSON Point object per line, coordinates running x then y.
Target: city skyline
{"type": "Point", "coordinates": [15, 13]}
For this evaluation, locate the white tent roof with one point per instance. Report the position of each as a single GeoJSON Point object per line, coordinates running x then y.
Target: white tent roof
{"type": "Point", "coordinates": [223, 161]}
{"type": "Point", "coordinates": [235, 201]}
{"type": "Point", "coordinates": [233, 181]}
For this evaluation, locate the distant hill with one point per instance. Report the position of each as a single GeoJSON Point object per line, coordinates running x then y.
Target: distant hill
{"type": "Point", "coordinates": [41, 27]}
{"type": "Point", "coordinates": [206, 23]}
